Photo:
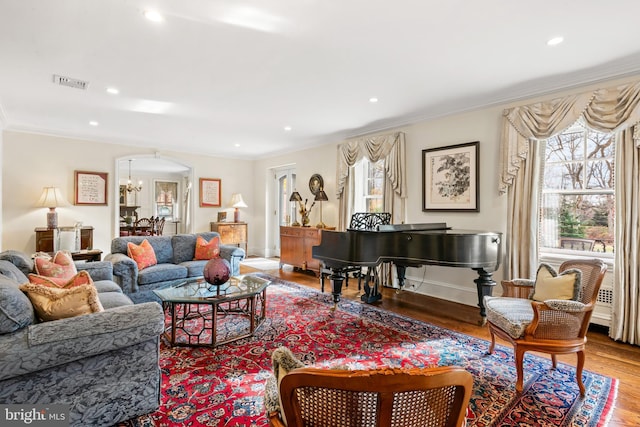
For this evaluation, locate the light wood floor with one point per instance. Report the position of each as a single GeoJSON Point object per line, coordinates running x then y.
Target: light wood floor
{"type": "Point", "coordinates": [603, 355]}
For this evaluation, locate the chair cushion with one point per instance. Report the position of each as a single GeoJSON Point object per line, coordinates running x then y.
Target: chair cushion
{"type": "Point", "coordinates": [551, 285]}
{"type": "Point", "coordinates": [512, 315]}
{"type": "Point", "coordinates": [143, 254]}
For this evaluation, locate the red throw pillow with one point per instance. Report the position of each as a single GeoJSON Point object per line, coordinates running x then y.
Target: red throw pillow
{"type": "Point", "coordinates": [142, 254]}
{"type": "Point", "coordinates": [82, 278]}
{"type": "Point", "coordinates": [207, 250]}
{"type": "Point", "coordinates": [59, 269]}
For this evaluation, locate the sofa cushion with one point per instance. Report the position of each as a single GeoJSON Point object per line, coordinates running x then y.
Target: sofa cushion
{"type": "Point", "coordinates": [16, 310]}
{"type": "Point", "coordinates": [194, 268]}
{"type": "Point", "coordinates": [59, 269]}
{"type": "Point", "coordinates": [143, 254]}
{"type": "Point", "coordinates": [161, 246]}
{"type": "Point", "coordinates": [54, 303]}
{"type": "Point", "coordinates": [82, 278]}
{"type": "Point", "coordinates": [111, 300]}
{"type": "Point", "coordinates": [184, 245]}
{"type": "Point", "coordinates": [207, 249]}
{"type": "Point", "coordinates": [107, 286]}
{"type": "Point", "coordinates": [161, 273]}
{"type": "Point", "coordinates": [551, 285]}
{"type": "Point", "coordinates": [12, 272]}
{"type": "Point", "coordinates": [19, 259]}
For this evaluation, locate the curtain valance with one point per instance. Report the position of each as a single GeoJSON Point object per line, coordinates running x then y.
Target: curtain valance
{"type": "Point", "coordinates": [607, 110]}
{"type": "Point", "coordinates": [390, 147]}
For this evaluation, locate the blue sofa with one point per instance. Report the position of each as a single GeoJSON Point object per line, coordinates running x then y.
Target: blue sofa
{"type": "Point", "coordinates": [104, 365]}
{"type": "Point", "coordinates": [175, 263]}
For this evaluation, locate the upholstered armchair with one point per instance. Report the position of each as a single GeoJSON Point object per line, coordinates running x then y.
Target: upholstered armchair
{"type": "Point", "coordinates": [550, 315]}
{"type": "Point", "coordinates": [307, 396]}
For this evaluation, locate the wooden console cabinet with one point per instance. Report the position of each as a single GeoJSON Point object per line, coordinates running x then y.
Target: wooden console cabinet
{"type": "Point", "coordinates": [295, 247]}
{"type": "Point", "coordinates": [44, 239]}
{"type": "Point", "coordinates": [231, 233]}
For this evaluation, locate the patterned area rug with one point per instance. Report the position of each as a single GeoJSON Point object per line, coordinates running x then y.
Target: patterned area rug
{"type": "Point", "coordinates": [225, 386]}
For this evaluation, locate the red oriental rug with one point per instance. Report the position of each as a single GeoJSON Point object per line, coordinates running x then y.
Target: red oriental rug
{"type": "Point", "coordinates": [225, 386]}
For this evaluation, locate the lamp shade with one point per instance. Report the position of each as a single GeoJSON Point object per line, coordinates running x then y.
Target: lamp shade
{"type": "Point", "coordinates": [51, 197]}
{"type": "Point", "coordinates": [295, 197]}
{"type": "Point", "coordinates": [237, 202]}
{"type": "Point", "coordinates": [321, 196]}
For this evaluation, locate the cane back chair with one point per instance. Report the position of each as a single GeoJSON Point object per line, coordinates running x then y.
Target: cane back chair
{"type": "Point", "coordinates": [379, 397]}
{"type": "Point", "coordinates": [553, 326]}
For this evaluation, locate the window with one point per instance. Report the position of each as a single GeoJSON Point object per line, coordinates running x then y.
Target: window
{"type": "Point", "coordinates": [578, 200]}
{"type": "Point", "coordinates": [369, 186]}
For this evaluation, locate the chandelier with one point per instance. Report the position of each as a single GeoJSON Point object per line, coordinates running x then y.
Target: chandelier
{"type": "Point", "coordinates": [130, 186]}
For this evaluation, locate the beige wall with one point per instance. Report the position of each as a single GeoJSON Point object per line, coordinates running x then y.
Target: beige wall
{"type": "Point", "coordinates": [32, 161]}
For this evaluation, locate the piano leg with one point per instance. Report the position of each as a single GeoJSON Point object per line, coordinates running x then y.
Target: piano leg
{"type": "Point", "coordinates": [371, 294]}
{"type": "Point", "coordinates": [485, 284]}
{"type": "Point", "coordinates": [336, 284]}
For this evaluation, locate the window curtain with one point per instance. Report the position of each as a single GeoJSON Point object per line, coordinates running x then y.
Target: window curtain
{"type": "Point", "coordinates": [625, 323]}
{"type": "Point", "coordinates": [613, 110]}
{"type": "Point", "coordinates": [391, 149]}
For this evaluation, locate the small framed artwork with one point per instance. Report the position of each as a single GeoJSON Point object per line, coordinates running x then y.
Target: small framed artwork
{"type": "Point", "coordinates": [450, 178]}
{"type": "Point", "coordinates": [222, 217]}
{"type": "Point", "coordinates": [210, 192]}
{"type": "Point", "coordinates": [90, 188]}
{"type": "Point", "coordinates": [123, 195]}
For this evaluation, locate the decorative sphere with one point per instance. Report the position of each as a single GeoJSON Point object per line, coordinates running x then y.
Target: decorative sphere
{"type": "Point", "coordinates": [217, 271]}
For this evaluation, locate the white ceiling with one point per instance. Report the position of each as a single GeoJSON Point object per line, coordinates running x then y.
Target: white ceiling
{"type": "Point", "coordinates": [216, 74]}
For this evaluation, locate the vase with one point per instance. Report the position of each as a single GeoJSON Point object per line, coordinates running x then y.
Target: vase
{"type": "Point", "coordinates": [217, 271]}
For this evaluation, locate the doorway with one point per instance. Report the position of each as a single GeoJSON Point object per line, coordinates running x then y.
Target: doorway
{"type": "Point", "coordinates": [286, 211]}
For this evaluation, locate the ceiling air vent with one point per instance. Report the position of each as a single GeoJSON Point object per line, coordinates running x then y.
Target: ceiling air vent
{"type": "Point", "coordinates": [68, 81]}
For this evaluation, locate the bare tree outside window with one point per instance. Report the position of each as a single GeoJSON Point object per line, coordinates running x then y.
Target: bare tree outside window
{"type": "Point", "coordinates": [578, 203]}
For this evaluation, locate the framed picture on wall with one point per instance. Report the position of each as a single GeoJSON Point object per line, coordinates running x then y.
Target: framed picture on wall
{"type": "Point", "coordinates": [90, 188]}
{"type": "Point", "coordinates": [210, 192]}
{"type": "Point", "coordinates": [450, 178]}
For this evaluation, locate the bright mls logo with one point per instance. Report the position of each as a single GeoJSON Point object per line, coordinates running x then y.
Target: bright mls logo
{"type": "Point", "coordinates": [34, 415]}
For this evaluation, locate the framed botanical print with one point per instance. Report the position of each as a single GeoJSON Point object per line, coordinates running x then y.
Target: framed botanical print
{"type": "Point", "coordinates": [450, 178]}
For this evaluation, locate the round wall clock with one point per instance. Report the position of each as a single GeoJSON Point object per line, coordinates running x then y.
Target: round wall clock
{"type": "Point", "coordinates": [316, 183]}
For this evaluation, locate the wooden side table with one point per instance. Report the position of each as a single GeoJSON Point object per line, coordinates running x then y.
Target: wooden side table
{"type": "Point", "coordinates": [231, 233]}
{"type": "Point", "coordinates": [44, 239]}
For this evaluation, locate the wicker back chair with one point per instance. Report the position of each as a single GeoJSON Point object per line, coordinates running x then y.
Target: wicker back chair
{"type": "Point", "coordinates": [553, 326]}
{"type": "Point", "coordinates": [380, 397]}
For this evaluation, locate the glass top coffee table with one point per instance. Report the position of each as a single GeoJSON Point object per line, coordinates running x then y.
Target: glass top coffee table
{"type": "Point", "coordinates": [200, 314]}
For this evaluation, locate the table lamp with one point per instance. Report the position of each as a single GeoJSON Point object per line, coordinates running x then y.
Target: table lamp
{"type": "Point", "coordinates": [295, 197]}
{"type": "Point", "coordinates": [321, 196]}
{"type": "Point", "coordinates": [51, 198]}
{"type": "Point", "coordinates": [237, 202]}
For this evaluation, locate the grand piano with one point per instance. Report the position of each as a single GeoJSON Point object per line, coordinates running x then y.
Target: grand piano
{"type": "Point", "coordinates": [410, 245]}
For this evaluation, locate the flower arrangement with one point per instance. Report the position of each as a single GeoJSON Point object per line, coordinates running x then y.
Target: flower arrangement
{"type": "Point", "coordinates": [304, 212]}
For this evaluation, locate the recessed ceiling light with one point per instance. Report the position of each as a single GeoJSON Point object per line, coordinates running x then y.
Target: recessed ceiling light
{"type": "Point", "coordinates": [373, 100]}
{"type": "Point", "coordinates": [93, 123]}
{"type": "Point", "coordinates": [153, 15]}
{"type": "Point", "coordinates": [237, 145]}
{"type": "Point", "coordinates": [113, 90]}
{"type": "Point", "coordinates": [555, 41]}
{"type": "Point", "coordinates": [287, 128]}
